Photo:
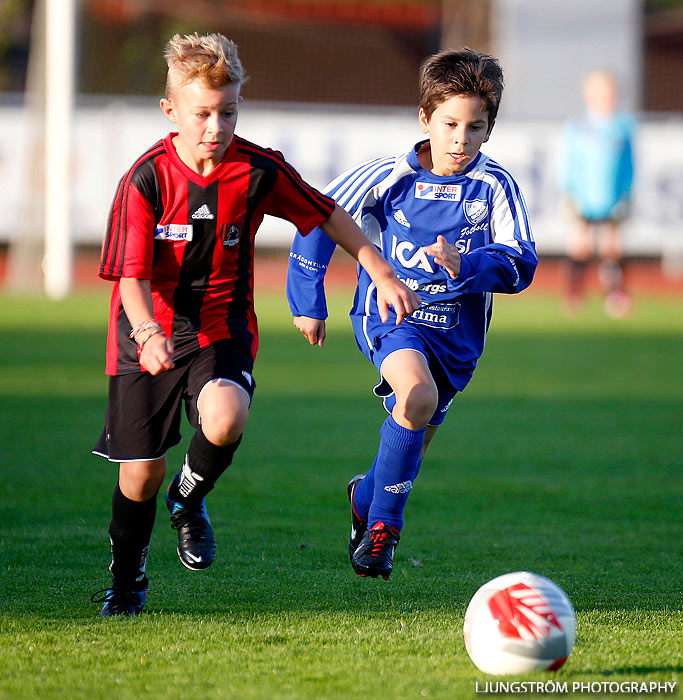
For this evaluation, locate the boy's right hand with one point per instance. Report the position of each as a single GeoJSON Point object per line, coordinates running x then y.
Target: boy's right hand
{"type": "Point", "coordinates": [156, 354]}
{"type": "Point", "coordinates": [392, 292]}
{"type": "Point", "coordinates": [312, 328]}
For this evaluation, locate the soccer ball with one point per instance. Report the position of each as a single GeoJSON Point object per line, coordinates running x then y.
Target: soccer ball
{"type": "Point", "coordinates": [517, 623]}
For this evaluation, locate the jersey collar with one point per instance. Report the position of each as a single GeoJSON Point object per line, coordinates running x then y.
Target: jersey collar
{"type": "Point", "coordinates": [187, 171]}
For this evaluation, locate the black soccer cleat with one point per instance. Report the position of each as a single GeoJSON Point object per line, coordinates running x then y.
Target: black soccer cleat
{"type": "Point", "coordinates": [118, 601]}
{"type": "Point", "coordinates": [358, 525]}
{"type": "Point", "coordinates": [375, 554]}
{"type": "Point", "coordinates": [196, 541]}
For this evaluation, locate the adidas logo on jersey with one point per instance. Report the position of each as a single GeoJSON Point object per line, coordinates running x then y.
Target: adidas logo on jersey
{"type": "Point", "coordinates": [203, 213]}
{"type": "Point", "coordinates": [401, 218]}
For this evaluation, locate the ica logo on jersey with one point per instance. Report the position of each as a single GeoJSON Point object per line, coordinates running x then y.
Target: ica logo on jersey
{"type": "Point", "coordinates": [411, 255]}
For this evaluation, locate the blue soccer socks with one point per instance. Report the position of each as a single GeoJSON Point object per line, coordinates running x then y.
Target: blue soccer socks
{"type": "Point", "coordinates": [362, 493]}
{"type": "Point", "coordinates": [393, 473]}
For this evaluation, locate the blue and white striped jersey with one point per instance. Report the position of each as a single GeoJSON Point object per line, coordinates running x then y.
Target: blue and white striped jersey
{"type": "Point", "coordinates": [402, 207]}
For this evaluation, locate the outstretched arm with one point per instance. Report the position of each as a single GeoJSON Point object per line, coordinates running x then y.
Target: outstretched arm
{"type": "Point", "coordinates": [342, 229]}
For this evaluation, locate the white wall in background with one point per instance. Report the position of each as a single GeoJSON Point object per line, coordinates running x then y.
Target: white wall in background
{"type": "Point", "coordinates": [321, 143]}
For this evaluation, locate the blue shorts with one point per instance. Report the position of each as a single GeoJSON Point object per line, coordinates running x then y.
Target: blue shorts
{"type": "Point", "coordinates": [405, 337]}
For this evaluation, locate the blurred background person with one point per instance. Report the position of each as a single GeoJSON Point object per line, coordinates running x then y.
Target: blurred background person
{"type": "Point", "coordinates": [596, 180]}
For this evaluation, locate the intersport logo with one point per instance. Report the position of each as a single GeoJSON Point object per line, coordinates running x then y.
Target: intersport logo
{"type": "Point", "coordinates": [428, 190]}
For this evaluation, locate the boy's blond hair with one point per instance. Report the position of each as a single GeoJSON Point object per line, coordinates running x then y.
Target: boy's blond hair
{"type": "Point", "coordinates": [210, 58]}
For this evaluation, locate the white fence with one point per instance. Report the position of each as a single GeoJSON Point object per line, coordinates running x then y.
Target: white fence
{"type": "Point", "coordinates": [321, 143]}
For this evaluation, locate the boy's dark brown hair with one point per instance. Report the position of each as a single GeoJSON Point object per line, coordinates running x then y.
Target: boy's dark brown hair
{"type": "Point", "coordinates": [465, 72]}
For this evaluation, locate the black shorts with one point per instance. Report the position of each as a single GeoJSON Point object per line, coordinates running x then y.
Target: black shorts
{"type": "Point", "coordinates": [142, 420]}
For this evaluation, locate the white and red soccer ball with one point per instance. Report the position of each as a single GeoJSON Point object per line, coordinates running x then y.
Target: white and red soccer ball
{"type": "Point", "coordinates": [519, 622]}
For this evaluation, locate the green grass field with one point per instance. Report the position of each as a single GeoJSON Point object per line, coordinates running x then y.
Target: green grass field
{"type": "Point", "coordinates": [563, 457]}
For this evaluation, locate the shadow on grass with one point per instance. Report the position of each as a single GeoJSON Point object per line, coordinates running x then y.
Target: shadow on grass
{"type": "Point", "coordinates": [580, 491]}
{"type": "Point", "coordinates": [561, 458]}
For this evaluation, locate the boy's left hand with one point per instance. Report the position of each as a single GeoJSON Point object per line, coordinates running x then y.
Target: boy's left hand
{"type": "Point", "coordinates": [312, 328]}
{"type": "Point", "coordinates": [444, 254]}
{"type": "Point", "coordinates": [392, 292]}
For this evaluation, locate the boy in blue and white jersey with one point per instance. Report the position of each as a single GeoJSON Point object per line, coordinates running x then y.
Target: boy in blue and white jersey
{"type": "Point", "coordinates": [455, 228]}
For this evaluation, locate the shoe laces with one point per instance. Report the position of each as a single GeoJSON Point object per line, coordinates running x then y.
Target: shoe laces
{"type": "Point", "coordinates": [119, 600]}
{"type": "Point", "coordinates": [194, 520]}
{"type": "Point", "coordinates": [382, 535]}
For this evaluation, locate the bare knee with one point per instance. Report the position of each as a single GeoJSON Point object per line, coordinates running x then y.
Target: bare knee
{"type": "Point", "coordinates": [223, 409]}
{"type": "Point", "coordinates": [416, 408]}
{"type": "Point", "coordinates": [140, 481]}
{"type": "Point", "coordinates": [222, 430]}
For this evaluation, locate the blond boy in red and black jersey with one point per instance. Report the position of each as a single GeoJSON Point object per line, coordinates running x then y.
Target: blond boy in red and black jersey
{"type": "Point", "coordinates": [182, 330]}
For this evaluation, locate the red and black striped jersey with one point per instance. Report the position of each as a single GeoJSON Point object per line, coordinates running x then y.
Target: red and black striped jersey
{"type": "Point", "coordinates": [193, 238]}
